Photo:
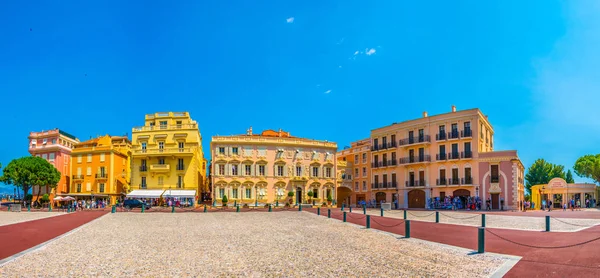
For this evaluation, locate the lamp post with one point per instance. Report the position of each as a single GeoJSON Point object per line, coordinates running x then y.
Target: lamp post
{"type": "Point", "coordinates": [544, 193]}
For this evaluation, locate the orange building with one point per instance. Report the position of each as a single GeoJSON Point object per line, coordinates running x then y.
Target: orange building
{"type": "Point", "coordinates": [357, 172]}
{"type": "Point", "coordinates": [100, 168]}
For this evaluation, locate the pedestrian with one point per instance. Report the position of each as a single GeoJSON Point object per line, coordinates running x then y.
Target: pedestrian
{"type": "Point", "coordinates": [549, 205]}
{"type": "Point", "coordinates": [578, 204]}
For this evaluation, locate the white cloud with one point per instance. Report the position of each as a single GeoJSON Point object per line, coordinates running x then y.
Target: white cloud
{"type": "Point", "coordinates": [356, 53]}
{"type": "Point", "coordinates": [328, 91]}
{"type": "Point", "coordinates": [370, 52]}
{"type": "Point", "coordinates": [290, 20]}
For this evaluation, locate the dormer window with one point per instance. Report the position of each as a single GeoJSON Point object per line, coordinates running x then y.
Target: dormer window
{"type": "Point", "coordinates": [163, 124]}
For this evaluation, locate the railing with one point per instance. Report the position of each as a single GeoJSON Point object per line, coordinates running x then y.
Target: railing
{"type": "Point", "coordinates": [440, 156]}
{"type": "Point", "coordinates": [466, 133]}
{"type": "Point", "coordinates": [180, 168]}
{"type": "Point", "coordinates": [453, 134]}
{"type": "Point", "coordinates": [164, 150]}
{"type": "Point", "coordinates": [468, 154]}
{"type": "Point", "coordinates": [165, 127]}
{"type": "Point", "coordinates": [102, 176]}
{"type": "Point", "coordinates": [415, 159]}
{"type": "Point", "coordinates": [494, 179]}
{"type": "Point", "coordinates": [467, 180]}
{"type": "Point", "coordinates": [383, 185]}
{"type": "Point", "coordinates": [142, 186]}
{"type": "Point", "coordinates": [453, 181]}
{"type": "Point", "coordinates": [77, 177]}
{"type": "Point", "coordinates": [392, 162]}
{"type": "Point", "coordinates": [143, 168]}
{"type": "Point", "coordinates": [377, 164]}
{"type": "Point", "coordinates": [415, 183]}
{"type": "Point", "coordinates": [453, 155]}
{"type": "Point", "coordinates": [383, 146]}
{"type": "Point", "coordinates": [440, 181]}
{"type": "Point", "coordinates": [415, 140]}
{"type": "Point", "coordinates": [440, 136]}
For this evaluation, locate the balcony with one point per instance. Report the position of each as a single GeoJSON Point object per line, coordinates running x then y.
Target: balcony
{"type": "Point", "coordinates": [102, 176]}
{"type": "Point", "coordinates": [143, 186]}
{"type": "Point", "coordinates": [454, 181]}
{"type": "Point", "coordinates": [453, 134]}
{"type": "Point", "coordinates": [441, 181]}
{"type": "Point", "coordinates": [494, 179]}
{"type": "Point", "coordinates": [468, 154]}
{"type": "Point", "coordinates": [440, 136]}
{"type": "Point", "coordinates": [414, 183]}
{"type": "Point", "coordinates": [384, 146]}
{"type": "Point", "coordinates": [415, 159]}
{"type": "Point", "coordinates": [164, 151]}
{"type": "Point", "coordinates": [165, 127]}
{"type": "Point", "coordinates": [377, 164]}
{"type": "Point", "coordinates": [143, 168]}
{"type": "Point", "coordinates": [77, 177]}
{"type": "Point", "coordinates": [467, 180]}
{"type": "Point", "coordinates": [384, 185]}
{"type": "Point", "coordinates": [425, 139]}
{"type": "Point", "coordinates": [180, 168]}
{"type": "Point", "coordinates": [392, 162]}
{"type": "Point", "coordinates": [453, 155]}
{"type": "Point", "coordinates": [440, 156]}
{"type": "Point", "coordinates": [466, 133]}
{"type": "Point", "coordinates": [160, 168]}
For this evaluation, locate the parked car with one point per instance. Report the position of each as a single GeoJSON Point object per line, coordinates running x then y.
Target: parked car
{"type": "Point", "coordinates": [134, 203]}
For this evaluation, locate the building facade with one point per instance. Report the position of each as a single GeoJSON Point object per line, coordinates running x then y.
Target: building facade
{"type": "Point", "coordinates": [358, 170]}
{"type": "Point", "coordinates": [100, 168]}
{"type": "Point", "coordinates": [439, 157]}
{"type": "Point", "coordinates": [560, 193]}
{"type": "Point", "coordinates": [167, 155]}
{"type": "Point", "coordinates": [56, 147]}
{"type": "Point", "coordinates": [263, 168]}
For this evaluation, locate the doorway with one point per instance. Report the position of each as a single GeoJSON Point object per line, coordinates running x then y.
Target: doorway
{"type": "Point", "coordinates": [380, 196]}
{"type": "Point", "coordinates": [416, 199]}
{"type": "Point", "coordinates": [496, 201]}
{"type": "Point", "coordinates": [299, 195]}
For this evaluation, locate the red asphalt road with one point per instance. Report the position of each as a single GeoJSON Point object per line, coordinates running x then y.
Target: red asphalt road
{"type": "Point", "coordinates": [577, 261]}
{"type": "Point", "coordinates": [19, 237]}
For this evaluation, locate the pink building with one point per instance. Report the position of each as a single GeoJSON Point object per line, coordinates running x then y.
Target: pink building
{"type": "Point", "coordinates": [55, 146]}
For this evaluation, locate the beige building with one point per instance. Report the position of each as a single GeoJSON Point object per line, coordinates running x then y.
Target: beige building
{"type": "Point", "coordinates": [167, 158]}
{"type": "Point", "coordinates": [357, 174]}
{"type": "Point", "coordinates": [263, 168]}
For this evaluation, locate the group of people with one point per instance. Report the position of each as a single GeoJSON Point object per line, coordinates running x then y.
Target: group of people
{"type": "Point", "coordinates": [89, 204]}
{"type": "Point", "coordinates": [573, 204]}
{"type": "Point", "coordinates": [455, 203]}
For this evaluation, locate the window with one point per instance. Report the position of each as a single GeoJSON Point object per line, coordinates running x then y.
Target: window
{"type": "Point", "coordinates": [163, 124]}
{"type": "Point", "coordinates": [89, 171]}
{"type": "Point", "coordinates": [234, 151]}
{"type": "Point", "coordinates": [234, 193]}
{"type": "Point", "coordinates": [181, 146]}
{"type": "Point", "coordinates": [495, 178]}
{"type": "Point", "coordinates": [221, 171]}
{"type": "Point", "coordinates": [364, 186]}
{"type": "Point", "coordinates": [393, 158]}
{"type": "Point", "coordinates": [356, 186]}
{"type": "Point", "coordinates": [144, 147]}
{"type": "Point", "coordinates": [328, 172]}
{"type": "Point", "coordinates": [89, 157]}
{"type": "Point", "coordinates": [364, 172]}
{"type": "Point", "coordinates": [45, 156]}
{"type": "Point", "coordinates": [234, 170]}
{"type": "Point", "coordinates": [161, 180]}
{"type": "Point", "coordinates": [180, 164]}
{"type": "Point", "coordinates": [261, 170]}
{"type": "Point", "coordinates": [442, 152]}
{"type": "Point", "coordinates": [221, 193]}
{"type": "Point", "coordinates": [315, 171]}
{"type": "Point", "coordinates": [364, 157]}
{"type": "Point", "coordinates": [79, 171]}
{"type": "Point", "coordinates": [411, 137]}
{"type": "Point", "coordinates": [442, 176]}
{"type": "Point", "coordinates": [102, 157]}
{"type": "Point", "coordinates": [221, 150]}
{"type": "Point", "coordinates": [79, 159]}
{"type": "Point", "coordinates": [279, 154]}
{"type": "Point", "coordinates": [79, 188]}
{"type": "Point", "coordinates": [356, 172]}
{"type": "Point", "coordinates": [280, 170]}
{"type": "Point", "coordinates": [53, 141]}
{"type": "Point", "coordinates": [468, 176]}
{"type": "Point", "coordinates": [143, 184]}
{"type": "Point", "coordinates": [248, 193]}
{"type": "Point", "coordinates": [88, 187]}
{"type": "Point", "coordinates": [248, 169]}
{"type": "Point", "coordinates": [393, 141]}
{"type": "Point", "coordinates": [356, 158]}
{"type": "Point", "coordinates": [161, 160]}
{"type": "Point", "coordinates": [316, 193]}
{"type": "Point", "coordinates": [179, 181]}
{"type": "Point", "coordinates": [161, 145]}
{"type": "Point", "coordinates": [178, 124]}
{"type": "Point", "coordinates": [455, 176]}
{"type": "Point", "coordinates": [101, 188]}
{"type": "Point", "coordinates": [298, 171]}
{"type": "Point", "coordinates": [262, 152]}
{"type": "Point", "coordinates": [394, 180]}
{"type": "Point", "coordinates": [247, 151]}
{"type": "Point", "coordinates": [102, 172]}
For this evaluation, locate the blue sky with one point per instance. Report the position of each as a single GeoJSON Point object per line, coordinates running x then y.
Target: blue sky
{"type": "Point", "coordinates": [311, 67]}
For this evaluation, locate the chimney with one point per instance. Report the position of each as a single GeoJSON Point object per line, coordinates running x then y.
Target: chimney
{"type": "Point", "coordinates": [249, 131]}
{"type": "Point", "coordinates": [424, 114]}
{"type": "Point", "coordinates": [453, 108]}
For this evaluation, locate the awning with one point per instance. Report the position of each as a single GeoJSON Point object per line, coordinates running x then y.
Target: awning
{"type": "Point", "coordinates": [83, 195]}
{"type": "Point", "coordinates": [143, 193]}
{"type": "Point", "coordinates": [179, 193]}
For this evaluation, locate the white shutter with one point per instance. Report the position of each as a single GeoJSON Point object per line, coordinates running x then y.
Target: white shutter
{"type": "Point", "coordinates": [266, 170]}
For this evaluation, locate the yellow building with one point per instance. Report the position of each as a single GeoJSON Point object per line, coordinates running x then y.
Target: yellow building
{"type": "Point", "coordinates": [561, 192]}
{"type": "Point", "coordinates": [100, 168]}
{"type": "Point", "coordinates": [167, 158]}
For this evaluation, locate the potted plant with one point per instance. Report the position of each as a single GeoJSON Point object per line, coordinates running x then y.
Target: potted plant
{"type": "Point", "coordinates": [291, 196]}
{"type": "Point", "coordinates": [329, 199]}
{"type": "Point", "coordinates": [324, 205]}
{"type": "Point", "coordinates": [310, 195]}
{"type": "Point", "coordinates": [224, 200]}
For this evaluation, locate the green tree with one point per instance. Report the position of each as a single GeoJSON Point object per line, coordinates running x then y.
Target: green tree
{"type": "Point", "coordinates": [26, 172]}
{"type": "Point", "coordinates": [588, 166]}
{"type": "Point", "coordinates": [569, 177]}
{"type": "Point", "coordinates": [541, 172]}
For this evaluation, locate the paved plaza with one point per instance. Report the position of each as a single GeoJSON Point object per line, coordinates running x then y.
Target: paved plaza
{"type": "Point", "coordinates": [257, 244]}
